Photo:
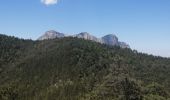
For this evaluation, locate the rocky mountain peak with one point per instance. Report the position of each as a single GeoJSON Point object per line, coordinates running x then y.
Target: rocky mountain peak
{"type": "Point", "coordinates": [109, 39]}
{"type": "Point", "coordinates": [84, 35]}
{"type": "Point", "coordinates": [51, 35]}
{"type": "Point", "coordinates": [87, 36]}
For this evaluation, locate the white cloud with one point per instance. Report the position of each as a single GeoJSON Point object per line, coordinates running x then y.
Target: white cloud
{"type": "Point", "coordinates": [49, 2]}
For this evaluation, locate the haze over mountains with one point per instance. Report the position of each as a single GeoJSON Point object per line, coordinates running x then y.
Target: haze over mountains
{"type": "Point", "coordinates": [109, 39]}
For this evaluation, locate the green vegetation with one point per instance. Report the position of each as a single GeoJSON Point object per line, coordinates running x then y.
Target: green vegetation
{"type": "Point", "coordinates": [77, 69]}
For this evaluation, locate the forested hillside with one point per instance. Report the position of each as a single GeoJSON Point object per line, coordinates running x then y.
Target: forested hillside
{"type": "Point", "coordinates": [77, 69]}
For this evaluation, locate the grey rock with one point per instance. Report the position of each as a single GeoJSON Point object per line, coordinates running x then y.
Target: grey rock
{"type": "Point", "coordinates": [109, 39]}
{"type": "Point", "coordinates": [51, 35]}
{"type": "Point", "coordinates": [87, 36]}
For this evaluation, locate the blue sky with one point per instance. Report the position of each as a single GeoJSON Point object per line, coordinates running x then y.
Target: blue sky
{"type": "Point", "coordinates": [144, 24]}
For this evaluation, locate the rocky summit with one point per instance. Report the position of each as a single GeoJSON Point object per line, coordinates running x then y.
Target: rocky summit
{"type": "Point", "coordinates": [109, 39]}
{"type": "Point", "coordinates": [51, 35]}
{"type": "Point", "coordinates": [87, 36]}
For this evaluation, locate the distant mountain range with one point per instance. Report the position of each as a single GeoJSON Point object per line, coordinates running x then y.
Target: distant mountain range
{"type": "Point", "coordinates": [109, 39]}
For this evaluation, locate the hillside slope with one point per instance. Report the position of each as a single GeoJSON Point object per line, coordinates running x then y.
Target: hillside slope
{"type": "Point", "coordinates": [77, 69]}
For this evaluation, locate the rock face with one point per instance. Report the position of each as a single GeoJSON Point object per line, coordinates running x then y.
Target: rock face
{"type": "Point", "coordinates": [109, 39]}
{"type": "Point", "coordinates": [51, 35]}
{"type": "Point", "coordinates": [87, 36]}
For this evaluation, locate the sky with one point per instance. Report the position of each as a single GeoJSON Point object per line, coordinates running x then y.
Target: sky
{"type": "Point", "coordinates": [143, 24]}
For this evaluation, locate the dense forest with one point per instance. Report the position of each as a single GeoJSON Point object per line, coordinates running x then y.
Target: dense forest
{"type": "Point", "coordinates": [77, 69]}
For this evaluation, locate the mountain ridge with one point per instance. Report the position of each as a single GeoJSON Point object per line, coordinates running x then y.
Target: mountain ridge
{"type": "Point", "coordinates": [51, 34]}
{"type": "Point", "coordinates": [109, 39]}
